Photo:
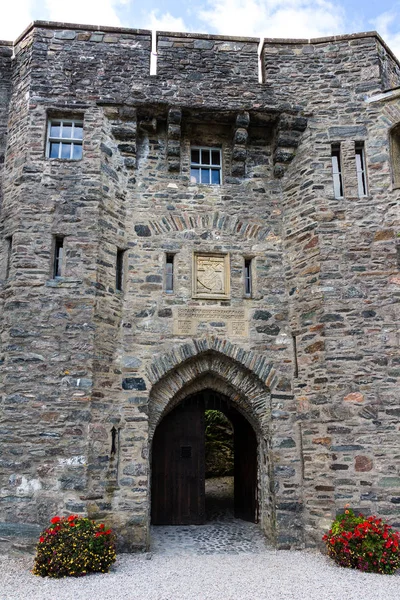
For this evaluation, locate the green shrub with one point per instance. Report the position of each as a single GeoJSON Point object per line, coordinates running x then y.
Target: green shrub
{"type": "Point", "coordinates": [364, 543]}
{"type": "Point", "coordinates": [74, 546]}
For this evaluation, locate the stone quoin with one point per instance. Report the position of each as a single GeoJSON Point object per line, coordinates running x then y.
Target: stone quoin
{"type": "Point", "coordinates": [226, 225]}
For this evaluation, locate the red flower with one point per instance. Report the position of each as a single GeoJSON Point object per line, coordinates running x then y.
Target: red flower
{"type": "Point", "coordinates": [72, 518]}
{"type": "Point", "coordinates": [98, 534]}
{"type": "Point", "coordinates": [108, 532]}
{"type": "Point", "coordinates": [72, 524]}
{"type": "Point", "coordinates": [41, 539]}
{"type": "Point", "coordinates": [101, 525]}
{"type": "Point", "coordinates": [55, 520]}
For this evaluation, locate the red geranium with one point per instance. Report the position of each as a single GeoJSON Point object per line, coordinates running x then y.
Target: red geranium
{"type": "Point", "coordinates": [55, 520]}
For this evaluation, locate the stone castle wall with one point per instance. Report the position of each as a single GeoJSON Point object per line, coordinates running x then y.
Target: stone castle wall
{"type": "Point", "coordinates": [81, 357]}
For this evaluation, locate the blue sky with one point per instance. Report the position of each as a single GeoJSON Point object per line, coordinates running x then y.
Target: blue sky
{"type": "Point", "coordinates": [267, 18]}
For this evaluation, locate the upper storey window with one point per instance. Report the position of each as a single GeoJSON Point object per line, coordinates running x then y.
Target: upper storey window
{"type": "Point", "coordinates": [205, 165]}
{"type": "Point", "coordinates": [337, 171]}
{"type": "Point", "coordinates": [395, 152]}
{"type": "Point", "coordinates": [64, 139]}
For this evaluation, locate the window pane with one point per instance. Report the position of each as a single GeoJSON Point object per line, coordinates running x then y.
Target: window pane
{"type": "Point", "coordinates": [77, 152]}
{"type": "Point", "coordinates": [195, 156]}
{"type": "Point", "coordinates": [194, 175]}
{"type": "Point", "coordinates": [67, 130]}
{"type": "Point", "coordinates": [78, 132]}
{"type": "Point", "coordinates": [205, 175]}
{"type": "Point", "coordinates": [205, 157]}
{"type": "Point", "coordinates": [55, 130]}
{"type": "Point", "coordinates": [65, 150]}
{"type": "Point", "coordinates": [54, 149]}
{"type": "Point", "coordinates": [216, 157]}
{"type": "Point", "coordinates": [215, 176]}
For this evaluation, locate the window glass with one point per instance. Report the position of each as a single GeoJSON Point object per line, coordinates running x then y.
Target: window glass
{"type": "Point", "coordinates": [55, 129]}
{"type": "Point", "coordinates": [196, 156]}
{"type": "Point", "coordinates": [54, 149]}
{"type": "Point", "coordinates": [194, 175]}
{"type": "Point", "coordinates": [78, 132]}
{"type": "Point", "coordinates": [65, 151]}
{"type": "Point", "coordinates": [215, 176]}
{"type": "Point", "coordinates": [77, 152]}
{"type": "Point", "coordinates": [205, 176]}
{"type": "Point", "coordinates": [67, 130]}
{"type": "Point", "coordinates": [205, 157]}
{"type": "Point", "coordinates": [216, 157]}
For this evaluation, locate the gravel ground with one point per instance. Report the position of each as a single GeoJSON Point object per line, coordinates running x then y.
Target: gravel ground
{"type": "Point", "coordinates": [269, 575]}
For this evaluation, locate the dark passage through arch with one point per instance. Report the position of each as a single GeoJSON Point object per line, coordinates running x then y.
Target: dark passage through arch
{"type": "Point", "coordinates": [178, 462]}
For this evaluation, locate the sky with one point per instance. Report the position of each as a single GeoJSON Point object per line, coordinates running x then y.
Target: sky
{"type": "Point", "coordinates": [255, 18]}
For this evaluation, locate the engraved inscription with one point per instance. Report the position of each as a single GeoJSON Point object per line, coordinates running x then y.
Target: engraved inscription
{"type": "Point", "coordinates": [187, 320]}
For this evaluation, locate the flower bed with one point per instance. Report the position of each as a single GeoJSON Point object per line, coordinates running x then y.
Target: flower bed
{"type": "Point", "coordinates": [74, 546]}
{"type": "Point", "coordinates": [364, 543]}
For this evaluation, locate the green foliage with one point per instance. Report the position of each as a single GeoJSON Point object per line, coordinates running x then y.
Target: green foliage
{"type": "Point", "coordinates": [74, 546]}
{"type": "Point", "coordinates": [364, 543]}
{"type": "Point", "coordinates": [219, 444]}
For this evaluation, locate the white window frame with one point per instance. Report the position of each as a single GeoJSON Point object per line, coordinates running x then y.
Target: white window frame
{"type": "Point", "coordinates": [206, 167]}
{"type": "Point", "coordinates": [361, 170]}
{"type": "Point", "coordinates": [72, 142]}
{"type": "Point", "coordinates": [248, 276]}
{"type": "Point", "coordinates": [337, 171]}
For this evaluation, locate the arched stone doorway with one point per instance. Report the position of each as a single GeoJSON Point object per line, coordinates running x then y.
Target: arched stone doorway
{"type": "Point", "coordinates": [210, 369]}
{"type": "Point", "coordinates": [178, 462]}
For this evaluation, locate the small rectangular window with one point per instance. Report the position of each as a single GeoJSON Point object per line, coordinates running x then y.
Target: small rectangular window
{"type": "Point", "coordinates": [247, 277]}
{"type": "Point", "coordinates": [58, 257]}
{"type": "Point", "coordinates": [119, 270]}
{"type": "Point", "coordinates": [169, 273]}
{"type": "Point", "coordinates": [205, 165]}
{"type": "Point", "coordinates": [337, 171]}
{"type": "Point", "coordinates": [295, 359]}
{"type": "Point", "coordinates": [64, 139]}
{"type": "Point", "coordinates": [8, 255]}
{"type": "Point", "coordinates": [361, 172]}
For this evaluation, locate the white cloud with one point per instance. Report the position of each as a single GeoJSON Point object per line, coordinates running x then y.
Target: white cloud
{"type": "Point", "coordinates": [164, 22]}
{"type": "Point", "coordinates": [15, 18]}
{"type": "Point", "coordinates": [384, 25]}
{"type": "Point", "coordinates": [88, 12]}
{"type": "Point", "coordinates": [274, 18]}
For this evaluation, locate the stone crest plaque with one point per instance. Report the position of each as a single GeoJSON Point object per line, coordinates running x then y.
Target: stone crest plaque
{"type": "Point", "coordinates": [211, 276]}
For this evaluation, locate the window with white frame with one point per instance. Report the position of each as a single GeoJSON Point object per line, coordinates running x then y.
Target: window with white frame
{"type": "Point", "coordinates": [361, 171]}
{"type": "Point", "coordinates": [64, 139]}
{"type": "Point", "coordinates": [337, 171]}
{"type": "Point", "coordinates": [205, 165]}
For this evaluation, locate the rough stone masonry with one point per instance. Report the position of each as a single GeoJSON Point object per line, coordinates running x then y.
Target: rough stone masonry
{"type": "Point", "coordinates": [285, 286]}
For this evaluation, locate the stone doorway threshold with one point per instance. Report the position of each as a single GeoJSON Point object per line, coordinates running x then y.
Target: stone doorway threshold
{"type": "Point", "coordinates": [221, 534]}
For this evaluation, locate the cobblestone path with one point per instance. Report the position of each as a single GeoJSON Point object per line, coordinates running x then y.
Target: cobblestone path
{"type": "Point", "coordinates": [222, 533]}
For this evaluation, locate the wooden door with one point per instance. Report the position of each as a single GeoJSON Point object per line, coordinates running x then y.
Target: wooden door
{"type": "Point", "coordinates": [245, 470]}
{"type": "Point", "coordinates": [177, 489]}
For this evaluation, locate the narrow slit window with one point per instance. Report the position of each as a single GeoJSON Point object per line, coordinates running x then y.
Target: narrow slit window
{"type": "Point", "coordinates": [337, 171]}
{"type": "Point", "coordinates": [248, 287]}
{"type": "Point", "coordinates": [8, 256]}
{"type": "Point", "coordinates": [395, 154]}
{"type": "Point", "coordinates": [361, 172]}
{"type": "Point", "coordinates": [58, 257]}
{"type": "Point", "coordinates": [119, 270]}
{"type": "Point", "coordinates": [169, 273]}
{"type": "Point", "coordinates": [113, 440]}
{"type": "Point", "coordinates": [295, 361]}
